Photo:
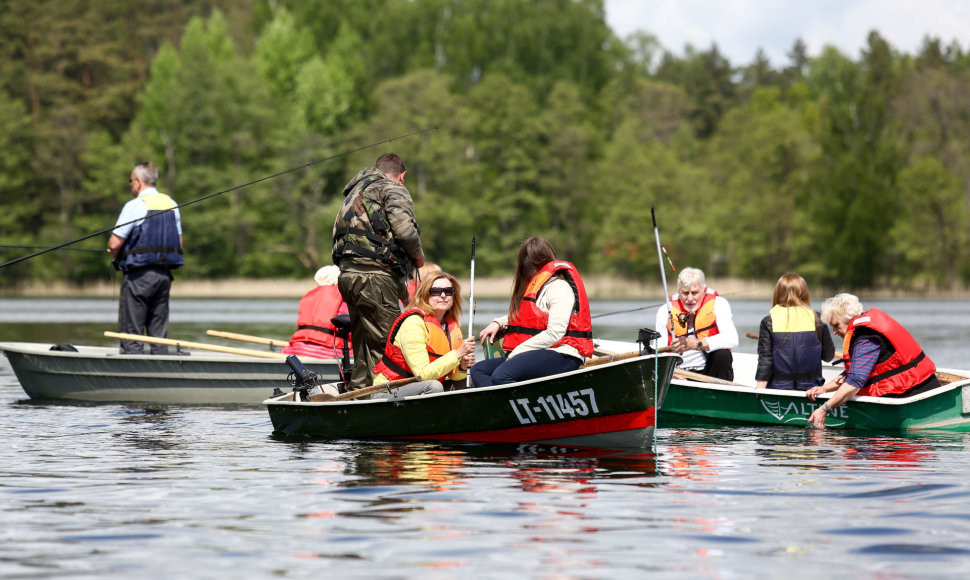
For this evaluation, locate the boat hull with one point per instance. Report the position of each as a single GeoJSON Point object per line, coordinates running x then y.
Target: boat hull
{"type": "Point", "coordinates": [100, 374]}
{"type": "Point", "coordinates": [609, 405]}
{"type": "Point", "coordinates": [692, 403]}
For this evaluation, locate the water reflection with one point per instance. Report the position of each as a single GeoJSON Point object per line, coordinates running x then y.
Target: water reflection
{"type": "Point", "coordinates": [444, 467]}
{"type": "Point", "coordinates": [432, 466]}
{"type": "Point", "coordinates": [150, 427]}
{"type": "Point", "coordinates": [544, 469]}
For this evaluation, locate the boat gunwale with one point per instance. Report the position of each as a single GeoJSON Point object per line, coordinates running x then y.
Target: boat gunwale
{"type": "Point", "coordinates": [276, 400]}
{"type": "Point", "coordinates": [111, 353]}
{"type": "Point", "coordinates": [888, 401]}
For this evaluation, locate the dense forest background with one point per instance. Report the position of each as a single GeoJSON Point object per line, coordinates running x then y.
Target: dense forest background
{"type": "Point", "coordinates": [851, 169]}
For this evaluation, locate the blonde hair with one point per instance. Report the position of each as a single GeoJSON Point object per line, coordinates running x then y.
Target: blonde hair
{"type": "Point", "coordinates": [841, 307]}
{"type": "Point", "coordinates": [423, 294]}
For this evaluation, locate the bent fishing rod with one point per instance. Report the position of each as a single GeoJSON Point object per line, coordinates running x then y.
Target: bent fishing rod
{"type": "Point", "coordinates": [211, 195]}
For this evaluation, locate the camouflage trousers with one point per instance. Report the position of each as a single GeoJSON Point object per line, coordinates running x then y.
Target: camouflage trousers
{"type": "Point", "coordinates": [373, 300]}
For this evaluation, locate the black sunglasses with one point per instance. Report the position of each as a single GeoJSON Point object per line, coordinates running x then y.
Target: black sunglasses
{"type": "Point", "coordinates": [449, 291]}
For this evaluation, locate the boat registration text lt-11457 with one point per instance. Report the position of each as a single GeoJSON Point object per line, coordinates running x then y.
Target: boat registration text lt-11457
{"type": "Point", "coordinates": [555, 408]}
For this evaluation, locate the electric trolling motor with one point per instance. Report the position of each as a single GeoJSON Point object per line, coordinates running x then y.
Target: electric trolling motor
{"type": "Point", "coordinates": [300, 377]}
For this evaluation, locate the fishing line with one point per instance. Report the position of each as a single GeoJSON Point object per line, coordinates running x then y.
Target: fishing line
{"type": "Point", "coordinates": [211, 195]}
{"type": "Point", "coordinates": [629, 310]}
{"type": "Point", "coordinates": [726, 295]}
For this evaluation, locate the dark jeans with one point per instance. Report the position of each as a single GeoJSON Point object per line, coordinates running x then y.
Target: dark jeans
{"type": "Point", "coordinates": [373, 300]}
{"type": "Point", "coordinates": [720, 364]}
{"type": "Point", "coordinates": [143, 308]}
{"type": "Point", "coordinates": [528, 365]}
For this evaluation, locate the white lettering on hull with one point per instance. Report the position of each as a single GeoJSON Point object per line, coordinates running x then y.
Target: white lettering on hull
{"type": "Point", "coordinates": [571, 405]}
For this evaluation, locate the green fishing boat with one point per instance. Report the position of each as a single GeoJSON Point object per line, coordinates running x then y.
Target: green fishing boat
{"type": "Point", "coordinates": [696, 400]}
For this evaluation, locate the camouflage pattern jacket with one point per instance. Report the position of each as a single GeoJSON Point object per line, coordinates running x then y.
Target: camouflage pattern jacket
{"type": "Point", "coordinates": [375, 226]}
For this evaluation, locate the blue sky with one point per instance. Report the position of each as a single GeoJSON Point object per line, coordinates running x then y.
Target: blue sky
{"type": "Point", "coordinates": [740, 27]}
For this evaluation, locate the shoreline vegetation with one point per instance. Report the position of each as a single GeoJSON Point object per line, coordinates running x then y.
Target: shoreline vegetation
{"type": "Point", "coordinates": [598, 287]}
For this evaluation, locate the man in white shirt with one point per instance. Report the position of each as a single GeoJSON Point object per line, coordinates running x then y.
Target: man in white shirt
{"type": "Point", "coordinates": [147, 245]}
{"type": "Point", "coordinates": [699, 325]}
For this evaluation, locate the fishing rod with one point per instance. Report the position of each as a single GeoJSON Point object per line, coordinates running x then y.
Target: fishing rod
{"type": "Point", "coordinates": [663, 273]}
{"type": "Point", "coordinates": [44, 247]}
{"type": "Point", "coordinates": [471, 303]}
{"type": "Point", "coordinates": [211, 195]}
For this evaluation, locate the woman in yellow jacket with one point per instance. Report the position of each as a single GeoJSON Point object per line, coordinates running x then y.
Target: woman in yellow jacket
{"type": "Point", "coordinates": [426, 341]}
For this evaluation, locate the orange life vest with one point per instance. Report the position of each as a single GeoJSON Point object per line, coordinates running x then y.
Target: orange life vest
{"type": "Point", "coordinates": [531, 320]}
{"type": "Point", "coordinates": [901, 365]}
{"type": "Point", "coordinates": [705, 321]}
{"type": "Point", "coordinates": [440, 342]}
{"type": "Point", "coordinates": [313, 324]}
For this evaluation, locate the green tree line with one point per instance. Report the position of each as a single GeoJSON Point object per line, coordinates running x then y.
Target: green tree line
{"type": "Point", "coordinates": [851, 170]}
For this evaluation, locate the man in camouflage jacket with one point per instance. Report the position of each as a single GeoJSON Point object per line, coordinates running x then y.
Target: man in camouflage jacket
{"type": "Point", "coordinates": [376, 243]}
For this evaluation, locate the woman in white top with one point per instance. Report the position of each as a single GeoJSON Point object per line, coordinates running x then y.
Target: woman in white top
{"type": "Point", "coordinates": [548, 328]}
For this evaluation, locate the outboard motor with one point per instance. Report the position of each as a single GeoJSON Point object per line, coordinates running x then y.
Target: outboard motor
{"type": "Point", "coordinates": [647, 337]}
{"type": "Point", "coordinates": [300, 377]}
{"type": "Point", "coordinates": [341, 323]}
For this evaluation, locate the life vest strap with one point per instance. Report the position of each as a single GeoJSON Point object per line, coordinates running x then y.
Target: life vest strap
{"type": "Point", "coordinates": [367, 234]}
{"type": "Point", "coordinates": [317, 328]}
{"type": "Point", "coordinates": [535, 331]}
{"type": "Point", "coordinates": [151, 249]}
{"type": "Point", "coordinates": [403, 372]}
{"type": "Point", "coordinates": [708, 327]}
{"type": "Point", "coordinates": [893, 372]}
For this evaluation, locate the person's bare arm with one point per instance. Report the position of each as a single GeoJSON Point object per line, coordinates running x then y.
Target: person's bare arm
{"type": "Point", "coordinates": [115, 243]}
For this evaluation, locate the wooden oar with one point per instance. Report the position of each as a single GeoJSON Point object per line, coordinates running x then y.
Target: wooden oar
{"type": "Point", "coordinates": [615, 356]}
{"type": "Point", "coordinates": [608, 359]}
{"type": "Point", "coordinates": [349, 395]}
{"type": "Point", "coordinates": [272, 342]}
{"type": "Point", "coordinates": [196, 345]}
{"type": "Point", "coordinates": [692, 376]}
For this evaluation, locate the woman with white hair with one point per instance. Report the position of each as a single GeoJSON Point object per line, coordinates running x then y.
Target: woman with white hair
{"type": "Point", "coordinates": [700, 326]}
{"type": "Point", "coordinates": [881, 358]}
{"type": "Point", "coordinates": [315, 334]}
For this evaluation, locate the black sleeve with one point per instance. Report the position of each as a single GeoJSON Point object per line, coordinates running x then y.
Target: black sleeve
{"type": "Point", "coordinates": [766, 363]}
{"type": "Point", "coordinates": [825, 337]}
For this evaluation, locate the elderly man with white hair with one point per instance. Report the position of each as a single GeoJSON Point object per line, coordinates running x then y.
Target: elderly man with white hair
{"type": "Point", "coordinates": [146, 245]}
{"type": "Point", "coordinates": [881, 358]}
{"type": "Point", "coordinates": [315, 334]}
{"type": "Point", "coordinates": [699, 325]}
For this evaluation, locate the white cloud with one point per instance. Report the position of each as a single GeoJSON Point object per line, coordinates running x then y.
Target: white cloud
{"type": "Point", "coordinates": [740, 27]}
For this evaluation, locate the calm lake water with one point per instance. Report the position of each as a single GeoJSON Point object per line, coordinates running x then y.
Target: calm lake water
{"type": "Point", "coordinates": [122, 491]}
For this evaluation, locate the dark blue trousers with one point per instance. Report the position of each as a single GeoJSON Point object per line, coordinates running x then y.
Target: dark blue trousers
{"type": "Point", "coordinates": [528, 365]}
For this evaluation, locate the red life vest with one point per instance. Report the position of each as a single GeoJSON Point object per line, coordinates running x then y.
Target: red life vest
{"type": "Point", "coordinates": [901, 365]}
{"type": "Point", "coordinates": [530, 320]}
{"type": "Point", "coordinates": [313, 324]}
{"type": "Point", "coordinates": [705, 321]}
{"type": "Point", "coordinates": [394, 366]}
